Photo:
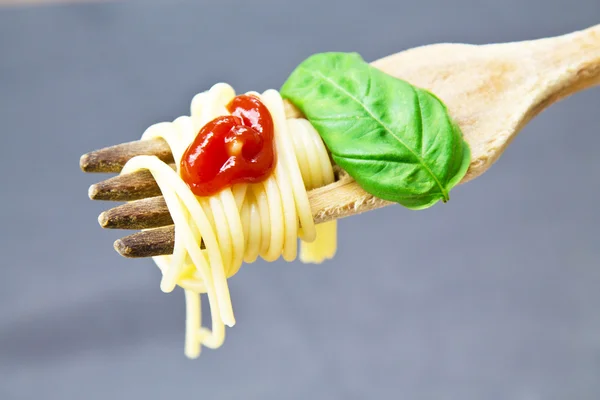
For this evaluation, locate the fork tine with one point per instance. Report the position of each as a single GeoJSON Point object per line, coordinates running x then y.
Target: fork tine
{"type": "Point", "coordinates": [150, 243]}
{"type": "Point", "coordinates": [113, 158]}
{"type": "Point", "coordinates": [133, 186]}
{"type": "Point", "coordinates": [140, 214]}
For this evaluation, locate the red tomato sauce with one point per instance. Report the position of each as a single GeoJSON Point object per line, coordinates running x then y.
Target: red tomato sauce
{"type": "Point", "coordinates": [236, 148]}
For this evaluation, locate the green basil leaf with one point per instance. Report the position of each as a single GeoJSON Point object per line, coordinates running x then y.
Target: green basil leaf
{"type": "Point", "coordinates": [396, 140]}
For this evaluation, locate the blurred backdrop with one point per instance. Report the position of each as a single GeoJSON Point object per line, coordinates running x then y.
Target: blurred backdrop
{"type": "Point", "coordinates": [495, 295]}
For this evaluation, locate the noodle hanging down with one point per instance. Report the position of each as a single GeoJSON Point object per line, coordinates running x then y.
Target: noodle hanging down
{"type": "Point", "coordinates": [215, 235]}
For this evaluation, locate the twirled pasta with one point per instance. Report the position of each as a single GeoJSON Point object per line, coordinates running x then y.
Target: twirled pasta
{"type": "Point", "coordinates": [240, 223]}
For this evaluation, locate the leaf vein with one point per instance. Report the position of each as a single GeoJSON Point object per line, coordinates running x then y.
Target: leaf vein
{"type": "Point", "coordinates": [420, 119]}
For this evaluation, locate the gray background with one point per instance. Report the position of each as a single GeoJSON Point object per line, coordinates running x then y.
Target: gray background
{"type": "Point", "coordinates": [495, 295]}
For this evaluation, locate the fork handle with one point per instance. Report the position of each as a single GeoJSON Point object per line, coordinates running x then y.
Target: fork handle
{"type": "Point", "coordinates": [569, 63]}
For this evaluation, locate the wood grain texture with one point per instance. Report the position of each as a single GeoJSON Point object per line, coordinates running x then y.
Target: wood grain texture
{"type": "Point", "coordinates": [132, 186]}
{"type": "Point", "coordinates": [113, 158]}
{"type": "Point", "coordinates": [141, 214]}
{"type": "Point", "coordinates": [155, 242]}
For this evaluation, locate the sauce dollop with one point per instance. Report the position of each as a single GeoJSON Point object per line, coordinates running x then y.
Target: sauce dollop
{"type": "Point", "coordinates": [236, 148]}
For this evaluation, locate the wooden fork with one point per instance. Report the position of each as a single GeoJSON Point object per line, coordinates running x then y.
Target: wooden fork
{"type": "Point", "coordinates": [491, 91]}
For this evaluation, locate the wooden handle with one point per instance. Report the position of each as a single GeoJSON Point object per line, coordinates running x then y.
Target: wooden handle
{"type": "Point", "coordinates": [567, 64]}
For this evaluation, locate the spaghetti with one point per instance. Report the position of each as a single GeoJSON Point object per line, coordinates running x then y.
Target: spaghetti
{"type": "Point", "coordinates": [214, 235]}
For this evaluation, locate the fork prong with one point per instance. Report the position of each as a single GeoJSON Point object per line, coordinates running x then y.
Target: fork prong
{"type": "Point", "coordinates": [150, 243]}
{"type": "Point", "coordinates": [133, 186]}
{"type": "Point", "coordinates": [140, 214]}
{"type": "Point", "coordinates": [113, 158]}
